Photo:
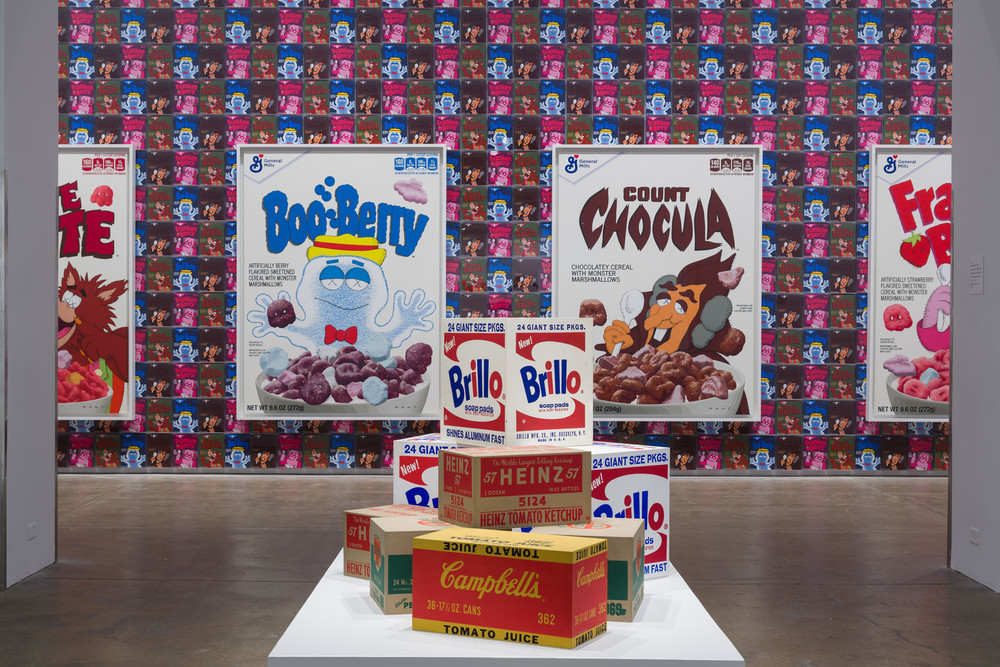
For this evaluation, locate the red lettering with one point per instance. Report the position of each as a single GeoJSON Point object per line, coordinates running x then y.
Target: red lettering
{"type": "Point", "coordinates": [69, 226]}
{"type": "Point", "coordinates": [942, 210]}
{"type": "Point", "coordinates": [68, 198]}
{"type": "Point", "coordinates": [940, 238]}
{"type": "Point", "coordinates": [905, 206]}
{"type": "Point", "coordinates": [97, 234]}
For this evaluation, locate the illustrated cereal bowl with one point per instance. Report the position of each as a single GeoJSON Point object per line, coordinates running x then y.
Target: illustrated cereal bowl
{"type": "Point", "coordinates": [409, 403]}
{"type": "Point", "coordinates": [911, 405]}
{"type": "Point", "coordinates": [720, 407]}
{"type": "Point", "coordinates": [95, 407]}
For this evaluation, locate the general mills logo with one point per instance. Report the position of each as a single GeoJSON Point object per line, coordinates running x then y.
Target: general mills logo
{"type": "Point", "coordinates": [890, 165]}
{"type": "Point", "coordinates": [571, 165]}
{"type": "Point", "coordinates": [257, 164]}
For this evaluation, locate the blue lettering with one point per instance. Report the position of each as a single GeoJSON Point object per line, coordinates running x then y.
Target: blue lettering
{"type": "Point", "coordinates": [275, 204]}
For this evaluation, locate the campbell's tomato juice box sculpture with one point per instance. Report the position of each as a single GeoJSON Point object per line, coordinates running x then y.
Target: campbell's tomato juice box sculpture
{"type": "Point", "coordinates": [625, 560]}
{"type": "Point", "coordinates": [503, 487]}
{"type": "Point", "coordinates": [517, 381]}
{"type": "Point", "coordinates": [549, 590]}
{"type": "Point", "coordinates": [633, 482]}
{"type": "Point", "coordinates": [391, 548]}
{"type": "Point", "coordinates": [357, 535]}
{"type": "Point", "coordinates": [415, 469]}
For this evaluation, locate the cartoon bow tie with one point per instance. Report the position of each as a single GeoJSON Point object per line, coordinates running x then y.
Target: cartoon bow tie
{"type": "Point", "coordinates": [334, 334]}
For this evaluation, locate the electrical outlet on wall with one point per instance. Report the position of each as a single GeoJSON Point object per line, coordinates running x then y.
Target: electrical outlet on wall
{"type": "Point", "coordinates": [974, 536]}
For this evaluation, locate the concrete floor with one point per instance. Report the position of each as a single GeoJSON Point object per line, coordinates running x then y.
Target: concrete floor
{"type": "Point", "coordinates": [209, 570]}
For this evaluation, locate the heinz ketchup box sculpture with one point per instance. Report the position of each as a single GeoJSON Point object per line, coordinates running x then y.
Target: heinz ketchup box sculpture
{"type": "Point", "coordinates": [415, 469]}
{"type": "Point", "coordinates": [508, 487]}
{"type": "Point", "coordinates": [517, 381]}
{"type": "Point", "coordinates": [633, 482]}
{"type": "Point", "coordinates": [357, 536]}
{"type": "Point", "coordinates": [549, 590]}
{"type": "Point", "coordinates": [391, 547]}
{"type": "Point", "coordinates": [625, 560]}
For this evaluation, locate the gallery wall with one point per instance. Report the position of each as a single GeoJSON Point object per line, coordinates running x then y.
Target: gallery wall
{"type": "Point", "coordinates": [185, 82]}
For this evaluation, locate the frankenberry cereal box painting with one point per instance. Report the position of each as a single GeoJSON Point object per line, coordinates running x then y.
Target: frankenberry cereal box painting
{"type": "Point", "coordinates": [95, 325]}
{"type": "Point", "coordinates": [340, 289]}
{"type": "Point", "coordinates": [909, 289]}
{"type": "Point", "coordinates": [660, 246]}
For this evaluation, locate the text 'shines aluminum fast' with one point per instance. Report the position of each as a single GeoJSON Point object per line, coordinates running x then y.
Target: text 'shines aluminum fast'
{"type": "Point", "coordinates": [549, 590]}
{"type": "Point", "coordinates": [517, 381]}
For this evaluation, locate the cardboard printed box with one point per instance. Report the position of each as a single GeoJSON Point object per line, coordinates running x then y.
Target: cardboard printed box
{"type": "Point", "coordinates": [391, 548]}
{"type": "Point", "coordinates": [415, 469]}
{"type": "Point", "coordinates": [517, 381]}
{"type": "Point", "coordinates": [357, 536]}
{"type": "Point", "coordinates": [625, 560]}
{"type": "Point", "coordinates": [633, 482]}
{"type": "Point", "coordinates": [549, 590]}
{"type": "Point", "coordinates": [508, 487]}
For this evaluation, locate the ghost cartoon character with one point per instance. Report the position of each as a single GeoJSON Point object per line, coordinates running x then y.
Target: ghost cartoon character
{"type": "Point", "coordinates": [500, 283]}
{"type": "Point", "coordinates": [343, 299]}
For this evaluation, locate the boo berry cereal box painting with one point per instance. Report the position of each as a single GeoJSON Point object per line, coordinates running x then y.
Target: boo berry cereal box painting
{"type": "Point", "coordinates": [95, 325]}
{"type": "Point", "coordinates": [909, 338]}
{"type": "Point", "coordinates": [340, 289]}
{"type": "Point", "coordinates": [660, 246]}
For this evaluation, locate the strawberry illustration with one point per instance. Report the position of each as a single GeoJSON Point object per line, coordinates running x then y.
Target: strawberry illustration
{"type": "Point", "coordinates": [915, 249]}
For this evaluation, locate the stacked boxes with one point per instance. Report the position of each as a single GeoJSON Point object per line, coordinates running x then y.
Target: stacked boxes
{"type": "Point", "coordinates": [502, 487]}
{"type": "Point", "coordinates": [390, 584]}
{"type": "Point", "coordinates": [534, 589]}
{"type": "Point", "coordinates": [357, 539]}
{"type": "Point", "coordinates": [517, 381]}
{"type": "Point", "coordinates": [625, 560]}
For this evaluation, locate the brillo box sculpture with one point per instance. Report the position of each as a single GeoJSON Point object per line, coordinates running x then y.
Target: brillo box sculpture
{"type": "Point", "coordinates": [357, 556]}
{"type": "Point", "coordinates": [549, 590]}
{"type": "Point", "coordinates": [509, 487]}
{"type": "Point", "coordinates": [633, 482]}
{"type": "Point", "coordinates": [625, 560]}
{"type": "Point", "coordinates": [391, 548]}
{"type": "Point", "coordinates": [516, 381]}
{"type": "Point", "coordinates": [415, 469]}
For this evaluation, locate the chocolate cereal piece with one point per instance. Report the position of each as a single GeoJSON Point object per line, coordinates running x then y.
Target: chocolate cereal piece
{"type": "Point", "coordinates": [594, 309]}
{"type": "Point", "coordinates": [732, 342]}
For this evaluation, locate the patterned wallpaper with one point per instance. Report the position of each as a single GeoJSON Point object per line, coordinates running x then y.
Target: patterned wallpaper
{"type": "Point", "coordinates": [500, 82]}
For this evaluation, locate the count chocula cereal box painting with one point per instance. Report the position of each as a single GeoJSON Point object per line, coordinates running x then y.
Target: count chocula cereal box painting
{"type": "Point", "coordinates": [96, 329]}
{"type": "Point", "coordinates": [661, 247]}
{"type": "Point", "coordinates": [909, 338]}
{"type": "Point", "coordinates": [340, 288]}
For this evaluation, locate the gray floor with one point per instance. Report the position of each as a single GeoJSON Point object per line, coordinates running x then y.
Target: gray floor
{"type": "Point", "coordinates": [157, 569]}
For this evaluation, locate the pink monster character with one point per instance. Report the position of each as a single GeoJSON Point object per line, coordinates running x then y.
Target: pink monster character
{"type": "Point", "coordinates": [765, 426]}
{"type": "Point", "coordinates": [553, 69]}
{"type": "Point", "coordinates": [767, 354]}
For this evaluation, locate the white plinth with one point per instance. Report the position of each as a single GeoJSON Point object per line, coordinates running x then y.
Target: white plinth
{"type": "Point", "coordinates": [340, 625]}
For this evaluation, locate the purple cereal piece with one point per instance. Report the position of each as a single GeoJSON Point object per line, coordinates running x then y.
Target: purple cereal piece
{"type": "Point", "coordinates": [401, 364]}
{"type": "Point", "coordinates": [631, 373]}
{"type": "Point", "coordinates": [701, 361]}
{"type": "Point", "coordinates": [644, 351]}
{"type": "Point", "coordinates": [353, 357]}
{"type": "Point", "coordinates": [296, 382]}
{"type": "Point", "coordinates": [418, 356]}
{"type": "Point", "coordinates": [275, 387]}
{"type": "Point", "coordinates": [318, 366]}
{"type": "Point", "coordinates": [292, 394]}
{"type": "Point", "coordinates": [340, 394]}
{"type": "Point", "coordinates": [280, 313]}
{"type": "Point", "coordinates": [677, 396]}
{"type": "Point", "coordinates": [286, 377]}
{"type": "Point", "coordinates": [899, 365]}
{"type": "Point", "coordinates": [346, 373]}
{"type": "Point", "coordinates": [316, 390]}
{"type": "Point", "coordinates": [608, 361]}
{"type": "Point", "coordinates": [405, 389]}
{"type": "Point", "coordinates": [391, 374]}
{"type": "Point", "coordinates": [411, 377]}
{"type": "Point", "coordinates": [393, 387]}
{"type": "Point", "coordinates": [374, 369]}
{"type": "Point", "coordinates": [354, 389]}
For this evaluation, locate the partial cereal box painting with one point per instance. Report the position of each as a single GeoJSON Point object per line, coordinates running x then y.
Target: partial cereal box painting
{"type": "Point", "coordinates": [340, 280]}
{"type": "Point", "coordinates": [660, 246]}
{"type": "Point", "coordinates": [95, 326]}
{"type": "Point", "coordinates": [909, 289]}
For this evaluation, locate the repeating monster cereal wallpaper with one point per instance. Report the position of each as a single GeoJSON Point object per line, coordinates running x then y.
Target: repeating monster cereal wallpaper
{"type": "Point", "coordinates": [500, 83]}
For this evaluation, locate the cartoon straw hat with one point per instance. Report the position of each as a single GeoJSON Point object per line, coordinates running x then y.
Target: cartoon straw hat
{"type": "Point", "coordinates": [346, 244]}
